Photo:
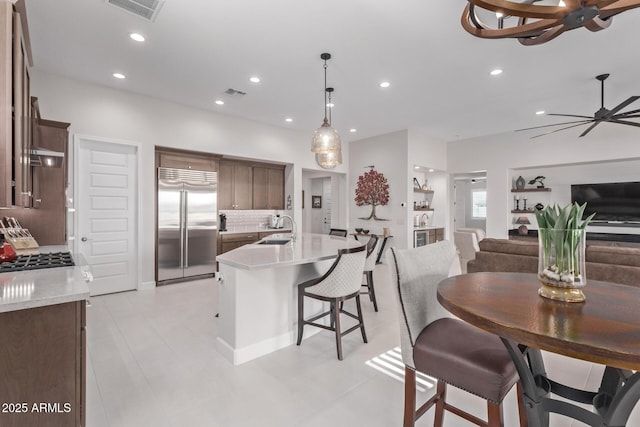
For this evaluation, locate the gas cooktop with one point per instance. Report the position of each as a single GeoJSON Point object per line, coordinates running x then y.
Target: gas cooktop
{"type": "Point", "coordinates": [39, 261]}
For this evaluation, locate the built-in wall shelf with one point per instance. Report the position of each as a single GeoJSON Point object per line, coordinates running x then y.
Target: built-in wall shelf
{"type": "Point", "coordinates": [529, 190]}
{"type": "Point", "coordinates": [423, 209]}
{"type": "Point", "coordinates": [522, 212]}
{"type": "Point", "coordinates": [420, 190]}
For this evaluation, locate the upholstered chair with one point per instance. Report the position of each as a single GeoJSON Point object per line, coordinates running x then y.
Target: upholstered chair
{"type": "Point", "coordinates": [342, 282]}
{"type": "Point", "coordinates": [467, 244]}
{"type": "Point", "coordinates": [446, 348]}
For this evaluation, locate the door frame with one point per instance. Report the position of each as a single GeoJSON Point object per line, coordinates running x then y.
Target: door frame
{"type": "Point", "coordinates": [79, 141]}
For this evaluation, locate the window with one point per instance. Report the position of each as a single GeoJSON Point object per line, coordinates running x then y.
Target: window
{"type": "Point", "coordinates": [479, 203]}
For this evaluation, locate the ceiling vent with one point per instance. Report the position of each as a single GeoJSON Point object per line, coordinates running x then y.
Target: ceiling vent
{"type": "Point", "coordinates": [235, 92]}
{"type": "Point", "coordinates": [146, 9]}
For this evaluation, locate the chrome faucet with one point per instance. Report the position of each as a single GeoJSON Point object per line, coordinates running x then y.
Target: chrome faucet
{"type": "Point", "coordinates": [293, 226]}
{"type": "Point", "coordinates": [423, 221]}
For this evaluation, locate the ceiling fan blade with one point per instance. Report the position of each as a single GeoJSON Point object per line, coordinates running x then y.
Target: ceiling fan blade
{"type": "Point", "coordinates": [626, 114]}
{"type": "Point", "coordinates": [625, 122]}
{"type": "Point", "coordinates": [589, 129]}
{"type": "Point", "coordinates": [558, 130]}
{"type": "Point", "coordinates": [622, 105]}
{"type": "Point", "coordinates": [555, 124]}
{"type": "Point", "coordinates": [570, 115]}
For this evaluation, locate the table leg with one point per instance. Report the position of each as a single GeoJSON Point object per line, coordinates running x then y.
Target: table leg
{"type": "Point", "coordinates": [618, 394]}
{"type": "Point", "coordinates": [381, 251]}
{"type": "Point", "coordinates": [529, 364]}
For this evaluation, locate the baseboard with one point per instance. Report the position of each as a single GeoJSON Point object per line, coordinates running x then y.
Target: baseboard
{"type": "Point", "coordinates": [246, 354]}
{"type": "Point", "coordinates": [147, 286]}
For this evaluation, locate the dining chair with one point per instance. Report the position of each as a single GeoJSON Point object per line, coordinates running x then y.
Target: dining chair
{"type": "Point", "coordinates": [467, 244]}
{"type": "Point", "coordinates": [338, 232]}
{"type": "Point", "coordinates": [341, 283]}
{"type": "Point", "coordinates": [448, 349]}
{"type": "Point", "coordinates": [369, 265]}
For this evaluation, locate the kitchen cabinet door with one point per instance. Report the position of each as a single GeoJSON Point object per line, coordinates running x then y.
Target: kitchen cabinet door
{"type": "Point", "coordinates": [184, 161]}
{"type": "Point", "coordinates": [275, 188]}
{"type": "Point", "coordinates": [235, 186]}
{"type": "Point", "coordinates": [6, 103]}
{"type": "Point", "coordinates": [268, 188]}
{"type": "Point", "coordinates": [44, 351]}
{"type": "Point", "coordinates": [21, 118]}
{"type": "Point", "coordinates": [260, 185]}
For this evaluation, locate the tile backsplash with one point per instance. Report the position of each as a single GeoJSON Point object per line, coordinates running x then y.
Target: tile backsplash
{"type": "Point", "coordinates": [258, 218]}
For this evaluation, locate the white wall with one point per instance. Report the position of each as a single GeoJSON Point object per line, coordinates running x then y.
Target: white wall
{"type": "Point", "coordinates": [394, 155]}
{"type": "Point", "coordinates": [560, 178]}
{"type": "Point", "coordinates": [389, 154]}
{"type": "Point", "coordinates": [498, 154]}
{"type": "Point", "coordinates": [108, 113]}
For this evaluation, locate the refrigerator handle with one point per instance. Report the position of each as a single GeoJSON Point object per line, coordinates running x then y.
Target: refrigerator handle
{"type": "Point", "coordinates": [186, 229]}
{"type": "Point", "coordinates": [182, 226]}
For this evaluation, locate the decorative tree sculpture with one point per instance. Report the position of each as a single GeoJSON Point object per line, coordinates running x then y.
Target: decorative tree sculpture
{"type": "Point", "coordinates": [372, 189]}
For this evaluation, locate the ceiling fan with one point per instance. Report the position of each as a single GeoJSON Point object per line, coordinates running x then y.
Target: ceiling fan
{"type": "Point", "coordinates": [602, 115]}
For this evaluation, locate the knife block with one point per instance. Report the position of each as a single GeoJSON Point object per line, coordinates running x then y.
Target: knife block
{"type": "Point", "coordinates": [23, 245]}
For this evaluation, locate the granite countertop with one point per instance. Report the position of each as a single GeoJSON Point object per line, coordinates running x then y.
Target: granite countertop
{"type": "Point", "coordinates": [253, 229]}
{"type": "Point", "coordinates": [427, 227]}
{"type": "Point", "coordinates": [307, 248]}
{"type": "Point", "coordinates": [38, 288]}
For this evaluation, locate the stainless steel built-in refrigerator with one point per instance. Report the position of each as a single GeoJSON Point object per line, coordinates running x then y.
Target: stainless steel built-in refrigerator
{"type": "Point", "coordinates": [187, 223]}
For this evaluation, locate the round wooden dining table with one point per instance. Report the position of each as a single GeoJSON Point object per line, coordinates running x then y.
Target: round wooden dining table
{"type": "Point", "coordinates": [605, 329]}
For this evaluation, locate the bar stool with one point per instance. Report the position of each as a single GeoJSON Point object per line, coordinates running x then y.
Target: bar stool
{"type": "Point", "coordinates": [434, 343]}
{"type": "Point", "coordinates": [338, 232]}
{"type": "Point", "coordinates": [342, 282]}
{"type": "Point", "coordinates": [369, 265]}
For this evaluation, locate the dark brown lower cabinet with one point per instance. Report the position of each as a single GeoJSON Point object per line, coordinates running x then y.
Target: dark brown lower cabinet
{"type": "Point", "coordinates": [43, 366]}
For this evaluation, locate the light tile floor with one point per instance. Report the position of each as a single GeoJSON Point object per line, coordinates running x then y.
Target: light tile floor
{"type": "Point", "coordinates": [153, 362]}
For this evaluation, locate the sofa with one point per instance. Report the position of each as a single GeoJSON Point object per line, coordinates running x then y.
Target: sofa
{"type": "Point", "coordinates": [606, 261]}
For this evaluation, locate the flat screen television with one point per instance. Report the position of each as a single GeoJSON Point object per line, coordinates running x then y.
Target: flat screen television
{"type": "Point", "coordinates": [616, 202]}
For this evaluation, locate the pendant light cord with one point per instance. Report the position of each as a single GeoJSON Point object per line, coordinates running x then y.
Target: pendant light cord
{"type": "Point", "coordinates": [330, 108]}
{"type": "Point", "coordinates": [325, 89]}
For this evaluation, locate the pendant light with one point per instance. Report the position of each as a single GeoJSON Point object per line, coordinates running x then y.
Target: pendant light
{"type": "Point", "coordinates": [325, 141]}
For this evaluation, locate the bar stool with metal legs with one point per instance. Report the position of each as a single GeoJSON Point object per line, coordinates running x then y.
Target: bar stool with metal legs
{"type": "Point", "coordinates": [342, 282]}
{"type": "Point", "coordinates": [434, 343]}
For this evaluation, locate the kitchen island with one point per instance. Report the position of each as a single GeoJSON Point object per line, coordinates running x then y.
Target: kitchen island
{"type": "Point", "coordinates": [43, 351]}
{"type": "Point", "coordinates": [258, 291]}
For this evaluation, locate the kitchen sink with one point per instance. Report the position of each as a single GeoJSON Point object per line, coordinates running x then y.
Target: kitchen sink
{"type": "Point", "coordinates": [275, 242]}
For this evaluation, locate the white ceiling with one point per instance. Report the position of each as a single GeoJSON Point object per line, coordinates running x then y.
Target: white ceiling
{"type": "Point", "coordinates": [439, 74]}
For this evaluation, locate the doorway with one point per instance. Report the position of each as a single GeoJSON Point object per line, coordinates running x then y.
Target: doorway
{"type": "Point", "coordinates": [324, 205]}
{"type": "Point", "coordinates": [106, 215]}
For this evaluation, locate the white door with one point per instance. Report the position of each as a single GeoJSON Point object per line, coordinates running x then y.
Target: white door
{"type": "Point", "coordinates": [107, 211]}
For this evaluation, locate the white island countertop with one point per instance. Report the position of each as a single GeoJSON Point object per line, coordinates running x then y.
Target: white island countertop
{"type": "Point", "coordinates": [307, 248]}
{"type": "Point", "coordinates": [21, 290]}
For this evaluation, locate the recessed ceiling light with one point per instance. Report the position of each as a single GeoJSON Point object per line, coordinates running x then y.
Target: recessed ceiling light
{"type": "Point", "coordinates": [353, 130]}
{"type": "Point", "coordinates": [496, 72]}
{"type": "Point", "coordinates": [219, 102]}
{"type": "Point", "coordinates": [137, 37]}
{"type": "Point", "coordinates": [385, 84]}
{"type": "Point", "coordinates": [416, 167]}
{"type": "Point", "coordinates": [288, 120]}
{"type": "Point", "coordinates": [118, 75]}
{"type": "Point", "coordinates": [254, 79]}
{"type": "Point", "coordinates": [541, 112]}
{"type": "Point", "coordinates": [330, 104]}
{"type": "Point", "coordinates": [430, 170]}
